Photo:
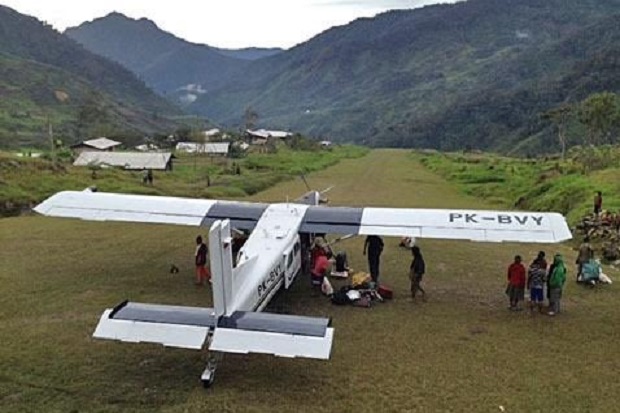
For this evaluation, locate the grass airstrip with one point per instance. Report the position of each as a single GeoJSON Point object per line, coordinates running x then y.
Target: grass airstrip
{"type": "Point", "coordinates": [462, 351]}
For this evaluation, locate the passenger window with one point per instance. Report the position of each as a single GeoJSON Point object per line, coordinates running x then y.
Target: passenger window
{"type": "Point", "coordinates": [290, 260]}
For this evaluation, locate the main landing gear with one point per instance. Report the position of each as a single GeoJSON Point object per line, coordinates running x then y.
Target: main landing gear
{"type": "Point", "coordinates": [208, 376]}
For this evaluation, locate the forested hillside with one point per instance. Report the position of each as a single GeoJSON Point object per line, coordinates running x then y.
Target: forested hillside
{"type": "Point", "coordinates": [46, 77]}
{"type": "Point", "coordinates": [170, 65]}
{"type": "Point", "coordinates": [473, 74]}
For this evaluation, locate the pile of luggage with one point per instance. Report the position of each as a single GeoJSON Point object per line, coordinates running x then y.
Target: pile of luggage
{"type": "Point", "coordinates": [362, 292]}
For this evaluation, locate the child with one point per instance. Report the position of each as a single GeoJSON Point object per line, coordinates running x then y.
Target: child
{"type": "Point", "coordinates": [202, 274]}
{"type": "Point", "coordinates": [536, 284]}
{"type": "Point", "coordinates": [516, 283]}
{"type": "Point", "coordinates": [416, 271]}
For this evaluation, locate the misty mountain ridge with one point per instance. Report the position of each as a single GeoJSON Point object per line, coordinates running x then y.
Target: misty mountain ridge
{"type": "Point", "coordinates": [447, 76]}
{"type": "Point", "coordinates": [172, 66]}
{"type": "Point", "coordinates": [474, 74]}
{"type": "Point", "coordinates": [46, 76]}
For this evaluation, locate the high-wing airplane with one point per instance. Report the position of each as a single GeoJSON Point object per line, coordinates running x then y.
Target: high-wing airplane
{"type": "Point", "coordinates": [269, 260]}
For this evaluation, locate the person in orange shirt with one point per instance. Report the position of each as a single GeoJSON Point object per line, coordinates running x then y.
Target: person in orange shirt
{"type": "Point", "coordinates": [516, 283]}
{"type": "Point", "coordinates": [202, 273]}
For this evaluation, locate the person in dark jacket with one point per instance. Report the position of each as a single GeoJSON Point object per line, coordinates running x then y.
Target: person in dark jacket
{"type": "Point", "coordinates": [374, 246]}
{"type": "Point", "coordinates": [416, 272]}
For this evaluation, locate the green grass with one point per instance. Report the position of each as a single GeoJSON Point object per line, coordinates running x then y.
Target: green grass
{"type": "Point", "coordinates": [567, 186]}
{"type": "Point", "coordinates": [24, 181]}
{"type": "Point", "coordinates": [462, 351]}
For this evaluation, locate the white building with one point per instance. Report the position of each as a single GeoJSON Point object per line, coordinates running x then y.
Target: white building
{"type": "Point", "coordinates": [127, 160]}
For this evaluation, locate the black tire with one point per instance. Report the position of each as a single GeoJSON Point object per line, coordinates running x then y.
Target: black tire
{"type": "Point", "coordinates": [208, 383]}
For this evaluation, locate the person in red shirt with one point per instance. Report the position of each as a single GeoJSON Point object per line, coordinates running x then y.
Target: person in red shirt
{"type": "Point", "coordinates": [516, 283]}
{"type": "Point", "coordinates": [320, 269]}
{"type": "Point", "coordinates": [598, 203]}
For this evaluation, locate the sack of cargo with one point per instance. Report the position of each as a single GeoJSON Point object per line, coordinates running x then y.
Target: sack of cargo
{"type": "Point", "coordinates": [360, 278]}
{"type": "Point", "coordinates": [365, 302]}
{"type": "Point", "coordinates": [326, 287]}
{"type": "Point", "coordinates": [385, 292]}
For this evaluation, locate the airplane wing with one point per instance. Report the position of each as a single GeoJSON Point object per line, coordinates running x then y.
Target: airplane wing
{"type": "Point", "coordinates": [100, 206]}
{"type": "Point", "coordinates": [475, 225]}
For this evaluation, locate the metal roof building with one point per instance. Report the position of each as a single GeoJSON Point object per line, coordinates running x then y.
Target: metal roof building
{"type": "Point", "coordinates": [127, 160]}
{"type": "Point", "coordinates": [212, 148]}
{"type": "Point", "coordinates": [263, 133]}
{"type": "Point", "coordinates": [99, 144]}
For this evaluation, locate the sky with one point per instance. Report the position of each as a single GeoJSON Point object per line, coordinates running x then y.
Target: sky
{"type": "Point", "coordinates": [220, 23]}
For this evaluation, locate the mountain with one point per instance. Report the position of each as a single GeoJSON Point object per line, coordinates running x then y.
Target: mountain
{"type": "Point", "coordinates": [470, 74]}
{"type": "Point", "coordinates": [170, 65]}
{"type": "Point", "coordinates": [45, 77]}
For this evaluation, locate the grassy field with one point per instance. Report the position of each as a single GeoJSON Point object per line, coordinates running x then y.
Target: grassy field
{"type": "Point", "coordinates": [24, 181]}
{"type": "Point", "coordinates": [540, 184]}
{"type": "Point", "coordinates": [462, 351]}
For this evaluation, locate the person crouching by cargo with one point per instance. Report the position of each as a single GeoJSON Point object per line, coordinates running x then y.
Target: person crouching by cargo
{"type": "Point", "coordinates": [516, 283]}
{"type": "Point", "coordinates": [416, 272]}
{"type": "Point", "coordinates": [557, 278]}
{"type": "Point", "coordinates": [202, 273]}
{"type": "Point", "coordinates": [586, 253]}
{"type": "Point", "coordinates": [536, 284]}
{"type": "Point", "coordinates": [320, 269]}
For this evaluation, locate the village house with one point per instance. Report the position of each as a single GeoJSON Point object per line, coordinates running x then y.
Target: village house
{"type": "Point", "coordinates": [161, 161]}
{"type": "Point", "coordinates": [96, 145]}
{"type": "Point", "coordinates": [210, 148]}
{"type": "Point", "coordinates": [262, 136]}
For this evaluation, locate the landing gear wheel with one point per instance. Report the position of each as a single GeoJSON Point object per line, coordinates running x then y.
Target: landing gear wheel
{"type": "Point", "coordinates": [208, 376]}
{"type": "Point", "coordinates": [206, 383]}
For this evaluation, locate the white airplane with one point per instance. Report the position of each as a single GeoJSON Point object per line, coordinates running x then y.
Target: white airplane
{"type": "Point", "coordinates": [270, 260]}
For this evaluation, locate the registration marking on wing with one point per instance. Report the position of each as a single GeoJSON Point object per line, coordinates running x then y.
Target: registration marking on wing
{"type": "Point", "coordinates": [507, 219]}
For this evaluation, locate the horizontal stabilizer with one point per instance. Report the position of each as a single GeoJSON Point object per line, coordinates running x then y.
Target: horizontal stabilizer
{"type": "Point", "coordinates": [172, 326]}
{"type": "Point", "coordinates": [277, 323]}
{"type": "Point", "coordinates": [283, 345]}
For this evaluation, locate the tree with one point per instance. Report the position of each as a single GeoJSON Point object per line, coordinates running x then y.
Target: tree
{"type": "Point", "coordinates": [600, 113]}
{"type": "Point", "coordinates": [560, 117]}
{"type": "Point", "coordinates": [250, 118]}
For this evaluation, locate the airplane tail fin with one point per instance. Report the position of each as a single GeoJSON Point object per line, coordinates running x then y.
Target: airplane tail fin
{"type": "Point", "coordinates": [220, 253]}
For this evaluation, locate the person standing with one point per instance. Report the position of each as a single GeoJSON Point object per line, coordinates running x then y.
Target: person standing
{"type": "Point", "coordinates": [374, 246]}
{"type": "Point", "coordinates": [202, 273]}
{"type": "Point", "coordinates": [557, 278]}
{"type": "Point", "coordinates": [416, 272]}
{"type": "Point", "coordinates": [586, 253]}
{"type": "Point", "coordinates": [540, 260]}
{"type": "Point", "coordinates": [516, 283]}
{"type": "Point", "coordinates": [598, 203]}
{"type": "Point", "coordinates": [536, 284]}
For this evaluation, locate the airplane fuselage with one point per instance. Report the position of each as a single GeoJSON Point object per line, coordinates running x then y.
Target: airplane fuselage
{"type": "Point", "coordinates": [270, 258]}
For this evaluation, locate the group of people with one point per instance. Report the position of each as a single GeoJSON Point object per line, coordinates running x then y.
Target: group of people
{"type": "Point", "coordinates": [536, 278]}
{"type": "Point", "coordinates": [373, 247]}
{"type": "Point", "coordinates": [147, 176]}
{"type": "Point", "coordinates": [322, 254]}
